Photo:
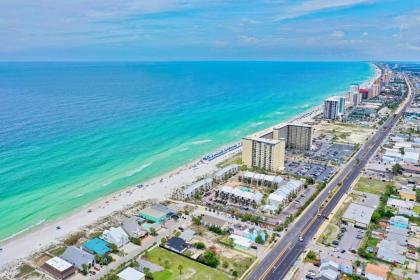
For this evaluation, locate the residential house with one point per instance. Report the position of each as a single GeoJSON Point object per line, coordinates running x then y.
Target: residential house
{"type": "Point", "coordinates": [376, 272]}
{"type": "Point", "coordinates": [97, 246]}
{"type": "Point", "coordinates": [407, 194]}
{"type": "Point", "coordinates": [208, 220]}
{"type": "Point", "coordinates": [177, 244]}
{"type": "Point", "coordinates": [399, 221]}
{"type": "Point", "coordinates": [391, 251]}
{"type": "Point", "coordinates": [329, 271]}
{"type": "Point", "coordinates": [115, 236]}
{"type": "Point", "coordinates": [240, 242]}
{"type": "Point", "coordinates": [132, 227]}
{"type": "Point", "coordinates": [344, 265]}
{"type": "Point", "coordinates": [187, 235]}
{"type": "Point", "coordinates": [78, 257]}
{"type": "Point", "coordinates": [157, 213]}
{"type": "Point", "coordinates": [131, 274]}
{"type": "Point", "coordinates": [59, 268]}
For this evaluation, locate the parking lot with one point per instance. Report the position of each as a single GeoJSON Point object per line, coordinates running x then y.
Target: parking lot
{"type": "Point", "coordinates": [319, 172]}
{"type": "Point", "coordinates": [337, 153]}
{"type": "Point", "coordinates": [350, 239]}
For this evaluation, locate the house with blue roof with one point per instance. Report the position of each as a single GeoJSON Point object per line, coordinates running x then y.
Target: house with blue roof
{"type": "Point", "coordinates": [97, 246]}
{"type": "Point", "coordinates": [399, 221]}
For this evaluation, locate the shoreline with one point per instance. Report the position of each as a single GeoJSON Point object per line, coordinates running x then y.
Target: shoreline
{"type": "Point", "coordinates": [44, 234]}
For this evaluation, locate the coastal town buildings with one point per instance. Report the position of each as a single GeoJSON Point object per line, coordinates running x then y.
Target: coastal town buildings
{"type": "Point", "coordinates": [297, 136]}
{"type": "Point", "coordinates": [331, 108]}
{"type": "Point", "coordinates": [115, 236]}
{"type": "Point", "coordinates": [263, 153]}
{"type": "Point", "coordinates": [131, 274]}
{"type": "Point", "coordinates": [59, 268]}
{"type": "Point", "coordinates": [197, 188]}
{"type": "Point", "coordinates": [376, 272]}
{"type": "Point", "coordinates": [240, 196]}
{"type": "Point", "coordinates": [358, 214]}
{"type": "Point", "coordinates": [78, 257]}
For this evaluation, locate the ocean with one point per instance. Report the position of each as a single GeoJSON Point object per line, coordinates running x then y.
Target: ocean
{"type": "Point", "coordinates": [71, 133]}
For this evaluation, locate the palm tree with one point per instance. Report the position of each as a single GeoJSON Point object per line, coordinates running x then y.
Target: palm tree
{"type": "Point", "coordinates": [180, 267]}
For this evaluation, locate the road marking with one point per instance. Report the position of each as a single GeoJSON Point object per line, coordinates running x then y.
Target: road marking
{"type": "Point", "coordinates": [273, 264]}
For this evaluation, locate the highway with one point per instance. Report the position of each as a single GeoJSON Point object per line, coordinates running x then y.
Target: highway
{"type": "Point", "coordinates": [284, 254]}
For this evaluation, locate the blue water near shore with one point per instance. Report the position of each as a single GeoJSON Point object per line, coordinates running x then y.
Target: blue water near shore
{"type": "Point", "coordinates": [73, 132]}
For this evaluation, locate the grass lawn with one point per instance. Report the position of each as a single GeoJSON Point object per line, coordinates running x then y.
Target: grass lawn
{"type": "Point", "coordinates": [329, 234]}
{"type": "Point", "coordinates": [24, 269]}
{"type": "Point", "coordinates": [58, 251]}
{"type": "Point", "coordinates": [370, 186]}
{"type": "Point", "coordinates": [417, 209]}
{"type": "Point", "coordinates": [372, 242]}
{"type": "Point", "coordinates": [191, 269]}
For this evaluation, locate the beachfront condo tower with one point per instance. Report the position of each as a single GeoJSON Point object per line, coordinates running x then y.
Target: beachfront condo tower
{"type": "Point", "coordinates": [263, 153]}
{"type": "Point", "coordinates": [331, 108]}
{"type": "Point", "coordinates": [297, 136]}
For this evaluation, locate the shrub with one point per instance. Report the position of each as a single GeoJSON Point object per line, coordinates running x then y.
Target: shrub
{"type": "Point", "coordinates": [209, 258]}
{"type": "Point", "coordinates": [200, 245]}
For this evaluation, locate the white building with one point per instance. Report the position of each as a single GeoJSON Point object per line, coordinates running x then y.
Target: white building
{"type": "Point", "coordinates": [197, 188]}
{"type": "Point", "coordinates": [115, 236]}
{"type": "Point", "coordinates": [131, 274]}
{"type": "Point", "coordinates": [229, 170]}
{"type": "Point", "coordinates": [263, 153]}
{"type": "Point", "coordinates": [331, 108]}
{"type": "Point", "coordinates": [260, 179]}
{"type": "Point", "coordinates": [297, 136]}
{"type": "Point", "coordinates": [240, 241]}
{"type": "Point", "coordinates": [241, 196]}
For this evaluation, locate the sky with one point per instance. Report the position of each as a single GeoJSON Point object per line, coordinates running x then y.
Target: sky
{"type": "Point", "coordinates": [108, 30]}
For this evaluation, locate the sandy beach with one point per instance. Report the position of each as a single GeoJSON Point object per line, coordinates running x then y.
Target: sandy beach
{"type": "Point", "coordinates": [23, 245]}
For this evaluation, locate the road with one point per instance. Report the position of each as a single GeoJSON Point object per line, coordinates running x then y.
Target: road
{"type": "Point", "coordinates": [284, 254]}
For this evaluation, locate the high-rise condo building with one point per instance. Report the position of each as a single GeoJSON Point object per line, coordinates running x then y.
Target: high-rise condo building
{"type": "Point", "coordinates": [297, 136]}
{"type": "Point", "coordinates": [354, 88]}
{"type": "Point", "coordinates": [263, 153]}
{"type": "Point", "coordinates": [341, 105]}
{"type": "Point", "coordinates": [331, 108]}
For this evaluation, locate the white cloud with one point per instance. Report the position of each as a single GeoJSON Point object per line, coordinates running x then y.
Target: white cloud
{"type": "Point", "coordinates": [220, 43]}
{"type": "Point", "coordinates": [249, 39]}
{"type": "Point", "coordinates": [338, 34]}
{"type": "Point", "coordinates": [365, 34]}
{"type": "Point", "coordinates": [314, 6]}
{"type": "Point", "coordinates": [250, 21]}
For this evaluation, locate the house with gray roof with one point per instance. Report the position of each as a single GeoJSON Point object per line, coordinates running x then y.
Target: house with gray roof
{"type": "Point", "coordinates": [78, 257]}
{"type": "Point", "coordinates": [187, 235]}
{"type": "Point", "coordinates": [132, 227]}
{"type": "Point", "coordinates": [390, 251]}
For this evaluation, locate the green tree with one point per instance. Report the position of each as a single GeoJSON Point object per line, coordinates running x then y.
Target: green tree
{"type": "Point", "coordinates": [85, 269]}
{"type": "Point", "coordinates": [396, 169]}
{"type": "Point", "coordinates": [209, 258]}
{"type": "Point", "coordinates": [309, 180]}
{"type": "Point", "coordinates": [153, 231]}
{"type": "Point", "coordinates": [311, 255]}
{"type": "Point", "coordinates": [196, 220]}
{"type": "Point", "coordinates": [259, 239]}
{"type": "Point", "coordinates": [199, 245]}
{"type": "Point", "coordinates": [113, 247]}
{"type": "Point", "coordinates": [180, 267]}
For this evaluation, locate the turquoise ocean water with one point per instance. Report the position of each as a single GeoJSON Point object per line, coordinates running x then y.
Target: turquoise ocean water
{"type": "Point", "coordinates": [71, 133]}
